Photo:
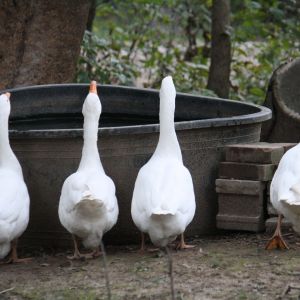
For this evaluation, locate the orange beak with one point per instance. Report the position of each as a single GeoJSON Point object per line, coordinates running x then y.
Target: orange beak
{"type": "Point", "coordinates": [7, 95]}
{"type": "Point", "coordinates": [93, 87]}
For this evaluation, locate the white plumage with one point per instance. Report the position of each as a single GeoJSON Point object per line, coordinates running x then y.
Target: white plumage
{"type": "Point", "coordinates": [14, 198]}
{"type": "Point", "coordinates": [88, 205]}
{"type": "Point", "coordinates": [163, 202]}
{"type": "Point", "coordinates": [285, 187]}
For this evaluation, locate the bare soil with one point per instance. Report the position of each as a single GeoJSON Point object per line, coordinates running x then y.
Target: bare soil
{"type": "Point", "coordinates": [229, 266]}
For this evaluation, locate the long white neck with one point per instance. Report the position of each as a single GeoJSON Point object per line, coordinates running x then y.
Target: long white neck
{"type": "Point", "coordinates": [90, 158]}
{"type": "Point", "coordinates": [7, 157]}
{"type": "Point", "coordinates": [168, 144]}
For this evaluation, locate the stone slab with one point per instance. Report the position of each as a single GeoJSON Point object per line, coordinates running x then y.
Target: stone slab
{"type": "Point", "coordinates": [271, 210]}
{"type": "Point", "coordinates": [241, 205]}
{"type": "Point", "coordinates": [286, 146]}
{"type": "Point", "coordinates": [264, 153]}
{"type": "Point", "coordinates": [241, 212]}
{"type": "Point", "coordinates": [268, 187]}
{"type": "Point", "coordinates": [240, 187]}
{"type": "Point", "coordinates": [271, 223]}
{"type": "Point", "coordinates": [232, 222]}
{"type": "Point", "coordinates": [247, 171]}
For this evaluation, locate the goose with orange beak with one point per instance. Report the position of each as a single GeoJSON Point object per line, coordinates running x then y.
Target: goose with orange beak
{"type": "Point", "coordinates": [163, 202]}
{"type": "Point", "coordinates": [14, 197]}
{"type": "Point", "coordinates": [88, 205]}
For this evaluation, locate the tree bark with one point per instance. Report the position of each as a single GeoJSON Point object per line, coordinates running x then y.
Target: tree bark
{"type": "Point", "coordinates": [219, 72]}
{"type": "Point", "coordinates": [91, 15]}
{"type": "Point", "coordinates": [191, 32]}
{"type": "Point", "coordinates": [40, 40]}
{"type": "Point", "coordinates": [282, 98]}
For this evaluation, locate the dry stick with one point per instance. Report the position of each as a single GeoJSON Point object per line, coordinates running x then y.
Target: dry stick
{"type": "Point", "coordinates": [288, 288]}
{"type": "Point", "coordinates": [105, 271]}
{"type": "Point", "coordinates": [170, 262]}
{"type": "Point", "coordinates": [7, 290]}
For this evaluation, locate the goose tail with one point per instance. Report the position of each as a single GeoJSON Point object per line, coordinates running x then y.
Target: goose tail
{"type": "Point", "coordinates": [90, 208]}
{"type": "Point", "coordinates": [161, 213]}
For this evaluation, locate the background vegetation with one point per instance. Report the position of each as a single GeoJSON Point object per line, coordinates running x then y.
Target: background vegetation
{"type": "Point", "coordinates": [138, 42]}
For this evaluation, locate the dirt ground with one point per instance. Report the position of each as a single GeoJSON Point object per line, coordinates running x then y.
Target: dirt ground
{"type": "Point", "coordinates": [229, 266]}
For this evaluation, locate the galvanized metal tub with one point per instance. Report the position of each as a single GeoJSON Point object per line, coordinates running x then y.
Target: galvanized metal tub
{"type": "Point", "coordinates": [46, 135]}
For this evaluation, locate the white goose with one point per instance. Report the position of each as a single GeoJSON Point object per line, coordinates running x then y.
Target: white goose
{"type": "Point", "coordinates": [88, 205]}
{"type": "Point", "coordinates": [14, 198]}
{"type": "Point", "coordinates": [285, 195]}
{"type": "Point", "coordinates": [163, 202]}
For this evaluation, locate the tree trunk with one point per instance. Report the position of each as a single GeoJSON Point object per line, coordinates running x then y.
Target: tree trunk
{"type": "Point", "coordinates": [191, 32]}
{"type": "Point", "coordinates": [219, 72]}
{"type": "Point", "coordinates": [282, 98]}
{"type": "Point", "coordinates": [40, 40]}
{"type": "Point", "coordinates": [91, 15]}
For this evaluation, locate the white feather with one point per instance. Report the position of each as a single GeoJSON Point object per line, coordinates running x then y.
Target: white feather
{"type": "Point", "coordinates": [14, 198]}
{"type": "Point", "coordinates": [163, 202]}
{"type": "Point", "coordinates": [88, 205]}
{"type": "Point", "coordinates": [285, 187]}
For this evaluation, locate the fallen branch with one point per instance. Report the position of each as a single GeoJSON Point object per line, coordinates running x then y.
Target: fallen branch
{"type": "Point", "coordinates": [170, 261]}
{"type": "Point", "coordinates": [288, 288]}
{"type": "Point", "coordinates": [7, 290]}
{"type": "Point", "coordinates": [105, 271]}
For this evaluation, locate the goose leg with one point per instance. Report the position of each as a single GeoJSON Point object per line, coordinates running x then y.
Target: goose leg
{"type": "Point", "coordinates": [77, 254]}
{"type": "Point", "coordinates": [142, 249]}
{"type": "Point", "coordinates": [276, 241]}
{"type": "Point", "coordinates": [14, 255]}
{"type": "Point", "coordinates": [143, 246]}
{"type": "Point", "coordinates": [182, 245]}
{"type": "Point", "coordinates": [96, 253]}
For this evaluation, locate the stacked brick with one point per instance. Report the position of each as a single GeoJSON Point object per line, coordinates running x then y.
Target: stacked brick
{"type": "Point", "coordinates": [243, 186]}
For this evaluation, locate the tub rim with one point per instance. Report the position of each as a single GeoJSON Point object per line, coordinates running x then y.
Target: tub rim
{"type": "Point", "coordinates": [263, 114]}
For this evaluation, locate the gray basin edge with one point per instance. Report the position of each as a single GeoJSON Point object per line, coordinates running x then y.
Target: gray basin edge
{"type": "Point", "coordinates": [263, 114]}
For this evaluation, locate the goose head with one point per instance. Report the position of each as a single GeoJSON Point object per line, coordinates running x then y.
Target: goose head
{"type": "Point", "coordinates": [92, 105]}
{"type": "Point", "coordinates": [5, 105]}
{"type": "Point", "coordinates": [167, 95]}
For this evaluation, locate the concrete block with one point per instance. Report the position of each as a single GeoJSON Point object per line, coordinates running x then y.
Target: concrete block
{"type": "Point", "coordinates": [268, 187]}
{"type": "Point", "coordinates": [247, 171]}
{"type": "Point", "coordinates": [241, 212]}
{"type": "Point", "coordinates": [254, 224]}
{"type": "Point", "coordinates": [244, 205]}
{"type": "Point", "coordinates": [286, 146]}
{"type": "Point", "coordinates": [263, 153]}
{"type": "Point", "coordinates": [271, 223]}
{"type": "Point", "coordinates": [240, 187]}
{"type": "Point", "coordinates": [271, 210]}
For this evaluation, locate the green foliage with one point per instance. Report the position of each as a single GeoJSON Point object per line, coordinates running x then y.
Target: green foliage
{"type": "Point", "coordinates": [104, 61]}
{"type": "Point", "coordinates": [266, 34]}
{"type": "Point", "coordinates": [139, 42]}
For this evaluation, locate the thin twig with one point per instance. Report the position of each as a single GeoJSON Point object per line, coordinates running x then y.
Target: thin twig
{"type": "Point", "coordinates": [7, 290]}
{"type": "Point", "coordinates": [293, 287]}
{"type": "Point", "coordinates": [105, 271]}
{"type": "Point", "coordinates": [294, 273]}
{"type": "Point", "coordinates": [170, 262]}
{"type": "Point", "coordinates": [288, 288]}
